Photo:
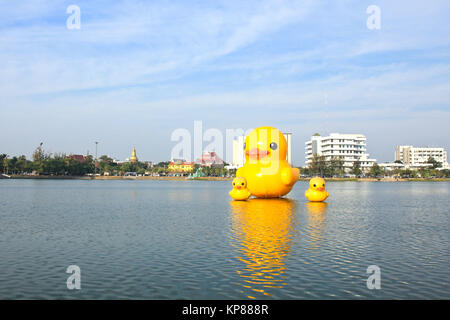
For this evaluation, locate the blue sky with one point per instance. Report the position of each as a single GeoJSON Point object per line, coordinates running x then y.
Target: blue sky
{"type": "Point", "coordinates": [138, 70]}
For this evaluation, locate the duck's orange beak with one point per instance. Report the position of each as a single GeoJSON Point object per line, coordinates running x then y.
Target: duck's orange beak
{"type": "Point", "coordinates": [320, 188]}
{"type": "Point", "coordinates": [238, 187]}
{"type": "Point", "coordinates": [256, 153]}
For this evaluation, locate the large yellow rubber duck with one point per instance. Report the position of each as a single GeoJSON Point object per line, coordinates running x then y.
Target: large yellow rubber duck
{"type": "Point", "coordinates": [240, 191]}
{"type": "Point", "coordinates": [316, 191]}
{"type": "Point", "coordinates": [266, 170]}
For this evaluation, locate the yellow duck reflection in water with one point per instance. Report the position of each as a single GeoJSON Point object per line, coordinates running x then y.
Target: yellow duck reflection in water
{"type": "Point", "coordinates": [263, 230]}
{"type": "Point", "coordinates": [317, 213]}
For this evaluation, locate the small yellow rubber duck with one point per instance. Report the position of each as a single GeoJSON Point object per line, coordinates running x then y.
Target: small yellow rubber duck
{"type": "Point", "coordinates": [240, 191]}
{"type": "Point", "coordinates": [316, 191]}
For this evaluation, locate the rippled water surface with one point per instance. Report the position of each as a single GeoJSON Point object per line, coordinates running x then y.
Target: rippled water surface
{"type": "Point", "coordinates": [187, 240]}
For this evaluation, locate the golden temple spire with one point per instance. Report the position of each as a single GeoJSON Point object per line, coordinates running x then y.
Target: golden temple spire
{"type": "Point", "coordinates": [133, 157]}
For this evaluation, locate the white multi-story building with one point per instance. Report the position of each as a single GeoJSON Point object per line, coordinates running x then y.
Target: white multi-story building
{"type": "Point", "coordinates": [347, 147]}
{"type": "Point", "coordinates": [238, 150]}
{"type": "Point", "coordinates": [416, 157]}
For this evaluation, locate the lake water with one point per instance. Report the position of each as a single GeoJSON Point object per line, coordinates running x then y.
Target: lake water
{"type": "Point", "coordinates": [187, 240]}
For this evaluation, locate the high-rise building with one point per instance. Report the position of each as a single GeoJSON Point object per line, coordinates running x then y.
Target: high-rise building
{"type": "Point", "coordinates": [347, 147]}
{"type": "Point", "coordinates": [239, 155]}
{"type": "Point", "coordinates": [417, 156]}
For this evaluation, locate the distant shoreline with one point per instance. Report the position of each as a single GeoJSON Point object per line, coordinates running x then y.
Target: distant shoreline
{"type": "Point", "coordinates": [170, 178]}
{"type": "Point", "coordinates": [162, 178]}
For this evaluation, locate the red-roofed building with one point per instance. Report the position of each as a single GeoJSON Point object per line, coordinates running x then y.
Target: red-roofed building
{"type": "Point", "coordinates": [77, 157]}
{"type": "Point", "coordinates": [209, 159]}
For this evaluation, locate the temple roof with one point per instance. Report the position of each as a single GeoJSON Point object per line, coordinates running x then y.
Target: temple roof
{"type": "Point", "coordinates": [133, 157]}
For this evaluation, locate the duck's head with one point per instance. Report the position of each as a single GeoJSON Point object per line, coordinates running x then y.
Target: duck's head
{"type": "Point", "coordinates": [265, 144]}
{"type": "Point", "coordinates": [317, 183]}
{"type": "Point", "coordinates": [239, 183]}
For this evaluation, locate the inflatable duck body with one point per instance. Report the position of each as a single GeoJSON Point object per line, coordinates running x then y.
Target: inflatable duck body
{"type": "Point", "coordinates": [239, 191]}
{"type": "Point", "coordinates": [316, 191]}
{"type": "Point", "coordinates": [266, 170]}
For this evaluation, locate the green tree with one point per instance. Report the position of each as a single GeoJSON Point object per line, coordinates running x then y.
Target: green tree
{"type": "Point", "coordinates": [106, 164]}
{"type": "Point", "coordinates": [318, 165]}
{"type": "Point", "coordinates": [138, 167]}
{"type": "Point", "coordinates": [39, 159]}
{"type": "Point", "coordinates": [375, 171]}
{"type": "Point", "coordinates": [231, 172]}
{"type": "Point", "coordinates": [424, 172]}
{"type": "Point", "coordinates": [163, 164]}
{"type": "Point", "coordinates": [23, 165]}
{"type": "Point", "coordinates": [445, 173]}
{"type": "Point", "coordinates": [356, 169]}
{"type": "Point", "coordinates": [335, 166]}
{"type": "Point", "coordinates": [436, 164]}
{"type": "Point", "coordinates": [17, 165]}
{"type": "Point", "coordinates": [4, 163]}
{"type": "Point", "coordinates": [408, 173]}
{"type": "Point", "coordinates": [105, 158]}
{"type": "Point", "coordinates": [163, 171]}
{"type": "Point", "coordinates": [305, 171]}
{"type": "Point", "coordinates": [54, 166]}
{"type": "Point", "coordinates": [12, 165]}
{"type": "Point", "coordinates": [38, 154]}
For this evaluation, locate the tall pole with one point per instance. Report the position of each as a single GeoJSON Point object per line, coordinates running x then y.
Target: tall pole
{"type": "Point", "coordinates": [95, 164]}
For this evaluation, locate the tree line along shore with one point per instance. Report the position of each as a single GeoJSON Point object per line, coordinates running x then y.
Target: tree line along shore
{"type": "Point", "coordinates": [58, 166]}
{"type": "Point", "coordinates": [62, 165]}
{"type": "Point", "coordinates": [184, 178]}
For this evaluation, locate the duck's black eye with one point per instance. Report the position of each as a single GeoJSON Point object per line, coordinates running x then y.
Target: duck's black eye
{"type": "Point", "coordinates": [244, 145]}
{"type": "Point", "coordinates": [233, 183]}
{"type": "Point", "coordinates": [242, 183]}
{"type": "Point", "coordinates": [314, 186]}
{"type": "Point", "coordinates": [323, 185]}
{"type": "Point", "coordinates": [273, 146]}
